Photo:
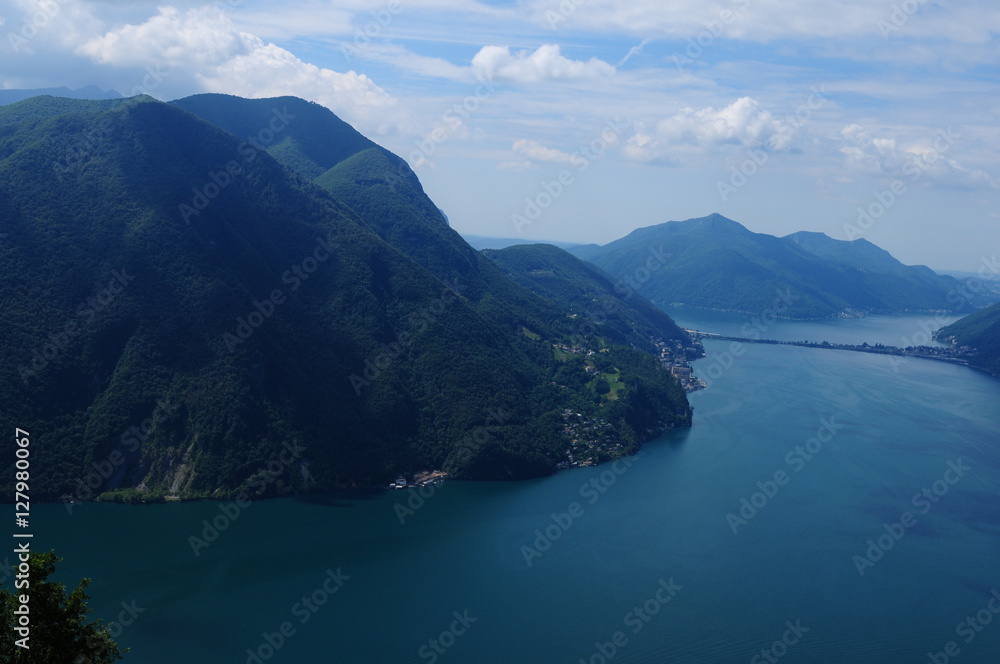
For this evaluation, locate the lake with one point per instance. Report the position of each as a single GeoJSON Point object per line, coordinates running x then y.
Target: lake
{"type": "Point", "coordinates": [826, 507]}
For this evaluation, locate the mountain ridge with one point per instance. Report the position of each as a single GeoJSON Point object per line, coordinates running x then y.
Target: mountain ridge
{"type": "Point", "coordinates": [717, 263]}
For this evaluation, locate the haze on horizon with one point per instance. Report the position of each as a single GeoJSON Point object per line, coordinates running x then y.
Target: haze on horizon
{"type": "Point", "coordinates": [606, 116]}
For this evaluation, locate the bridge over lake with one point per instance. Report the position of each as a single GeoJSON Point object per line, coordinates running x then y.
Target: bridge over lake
{"type": "Point", "coordinates": [942, 354]}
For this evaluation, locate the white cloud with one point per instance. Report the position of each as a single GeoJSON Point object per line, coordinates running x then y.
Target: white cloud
{"type": "Point", "coordinates": [198, 38]}
{"type": "Point", "coordinates": [535, 151]}
{"type": "Point", "coordinates": [202, 51]}
{"type": "Point", "coordinates": [36, 28]}
{"type": "Point", "coordinates": [922, 159]}
{"type": "Point", "coordinates": [634, 51]}
{"type": "Point", "coordinates": [545, 63]}
{"type": "Point", "coordinates": [742, 124]}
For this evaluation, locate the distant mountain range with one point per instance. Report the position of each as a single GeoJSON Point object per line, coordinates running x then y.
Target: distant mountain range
{"type": "Point", "coordinates": [192, 290]}
{"type": "Point", "coordinates": [716, 263]}
{"type": "Point", "coordinates": [483, 242]}
{"type": "Point", "coordinates": [89, 92]}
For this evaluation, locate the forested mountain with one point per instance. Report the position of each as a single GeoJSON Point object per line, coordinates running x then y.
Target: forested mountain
{"type": "Point", "coordinates": [588, 293]}
{"type": "Point", "coordinates": [717, 263]}
{"type": "Point", "coordinates": [184, 304]}
{"type": "Point", "coordinates": [980, 331]}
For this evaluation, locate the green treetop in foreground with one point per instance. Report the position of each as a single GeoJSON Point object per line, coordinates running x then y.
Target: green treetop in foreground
{"type": "Point", "coordinates": [60, 633]}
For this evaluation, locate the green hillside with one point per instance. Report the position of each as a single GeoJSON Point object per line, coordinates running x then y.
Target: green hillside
{"type": "Point", "coordinates": [588, 294]}
{"type": "Point", "coordinates": [980, 331]}
{"type": "Point", "coordinates": [181, 306]}
{"type": "Point", "coordinates": [385, 194]}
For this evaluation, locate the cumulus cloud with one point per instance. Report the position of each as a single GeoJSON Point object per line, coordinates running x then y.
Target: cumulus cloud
{"type": "Point", "coordinates": [202, 50]}
{"type": "Point", "coordinates": [742, 124]}
{"type": "Point", "coordinates": [921, 159]}
{"type": "Point", "coordinates": [535, 151]}
{"type": "Point", "coordinates": [545, 63]}
{"type": "Point", "coordinates": [36, 28]}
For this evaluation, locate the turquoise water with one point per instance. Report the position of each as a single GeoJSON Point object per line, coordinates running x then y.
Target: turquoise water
{"type": "Point", "coordinates": [645, 566]}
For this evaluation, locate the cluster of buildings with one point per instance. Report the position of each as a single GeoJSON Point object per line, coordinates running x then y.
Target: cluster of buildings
{"type": "Point", "coordinates": [590, 441]}
{"type": "Point", "coordinates": [676, 358]}
{"type": "Point", "coordinates": [423, 478]}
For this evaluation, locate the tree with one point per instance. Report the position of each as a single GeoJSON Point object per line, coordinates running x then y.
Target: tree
{"type": "Point", "coordinates": [60, 633]}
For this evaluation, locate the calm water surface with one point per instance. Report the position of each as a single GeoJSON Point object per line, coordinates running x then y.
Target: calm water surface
{"type": "Point", "coordinates": [596, 591]}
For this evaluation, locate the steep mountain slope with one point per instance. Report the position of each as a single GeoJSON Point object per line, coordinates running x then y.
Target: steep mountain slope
{"type": "Point", "coordinates": [716, 263]}
{"type": "Point", "coordinates": [299, 140]}
{"type": "Point", "coordinates": [981, 331]}
{"type": "Point", "coordinates": [376, 184]}
{"type": "Point", "coordinates": [588, 294]}
{"type": "Point", "coordinates": [180, 307]}
{"type": "Point", "coordinates": [382, 190]}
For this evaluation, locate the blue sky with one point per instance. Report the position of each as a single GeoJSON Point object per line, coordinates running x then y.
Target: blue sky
{"type": "Point", "coordinates": [581, 120]}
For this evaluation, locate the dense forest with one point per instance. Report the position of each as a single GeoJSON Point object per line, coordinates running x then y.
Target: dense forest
{"type": "Point", "coordinates": [187, 303]}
